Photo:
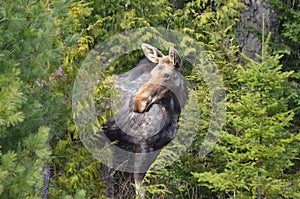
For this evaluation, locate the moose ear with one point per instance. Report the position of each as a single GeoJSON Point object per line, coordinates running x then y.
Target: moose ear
{"type": "Point", "coordinates": [175, 58]}
{"type": "Point", "coordinates": [152, 53]}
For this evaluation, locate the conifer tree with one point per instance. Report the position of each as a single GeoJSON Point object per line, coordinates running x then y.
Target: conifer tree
{"type": "Point", "coordinates": [43, 43]}
{"type": "Point", "coordinates": [256, 150]}
{"type": "Point", "coordinates": [30, 113]}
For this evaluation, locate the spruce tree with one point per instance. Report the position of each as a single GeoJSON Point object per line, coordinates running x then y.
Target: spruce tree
{"type": "Point", "coordinates": [257, 150]}
{"type": "Point", "coordinates": [29, 112]}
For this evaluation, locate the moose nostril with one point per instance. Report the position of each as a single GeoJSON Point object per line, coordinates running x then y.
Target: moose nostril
{"type": "Point", "coordinates": [136, 108]}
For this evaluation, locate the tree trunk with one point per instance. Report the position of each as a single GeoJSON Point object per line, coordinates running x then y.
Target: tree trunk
{"type": "Point", "coordinates": [250, 26]}
{"type": "Point", "coordinates": [46, 175]}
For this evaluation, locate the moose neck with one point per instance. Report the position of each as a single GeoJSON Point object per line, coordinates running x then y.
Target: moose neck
{"type": "Point", "coordinates": [171, 104]}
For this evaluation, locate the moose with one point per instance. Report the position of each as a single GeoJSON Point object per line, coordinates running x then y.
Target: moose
{"type": "Point", "coordinates": [149, 117]}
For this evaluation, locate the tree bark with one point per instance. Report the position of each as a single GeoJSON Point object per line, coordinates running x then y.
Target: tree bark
{"type": "Point", "coordinates": [250, 26]}
{"type": "Point", "coordinates": [46, 175]}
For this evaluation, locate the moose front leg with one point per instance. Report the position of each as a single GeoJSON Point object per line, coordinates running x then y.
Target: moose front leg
{"type": "Point", "coordinates": [107, 176]}
{"type": "Point", "coordinates": [142, 162]}
{"type": "Point", "coordinates": [138, 181]}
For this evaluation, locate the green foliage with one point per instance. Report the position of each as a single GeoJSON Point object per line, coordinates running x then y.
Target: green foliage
{"type": "Point", "coordinates": [257, 149]}
{"type": "Point", "coordinates": [287, 44]}
{"type": "Point", "coordinates": [43, 44]}
{"type": "Point", "coordinates": [288, 41]}
{"type": "Point", "coordinates": [75, 173]}
{"type": "Point", "coordinates": [80, 194]}
{"type": "Point", "coordinates": [12, 99]}
{"type": "Point", "coordinates": [20, 170]}
{"type": "Point", "coordinates": [115, 17]}
{"type": "Point", "coordinates": [74, 169]}
{"type": "Point", "coordinates": [30, 112]}
{"type": "Point", "coordinates": [289, 19]}
{"type": "Point", "coordinates": [27, 37]}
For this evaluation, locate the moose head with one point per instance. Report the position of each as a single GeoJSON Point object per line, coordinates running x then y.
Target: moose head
{"type": "Point", "coordinates": [166, 79]}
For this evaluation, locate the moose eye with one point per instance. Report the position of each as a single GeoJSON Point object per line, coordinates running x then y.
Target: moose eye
{"type": "Point", "coordinates": [166, 76]}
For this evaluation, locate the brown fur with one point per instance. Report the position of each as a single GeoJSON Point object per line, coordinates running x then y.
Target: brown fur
{"type": "Point", "coordinates": [148, 94]}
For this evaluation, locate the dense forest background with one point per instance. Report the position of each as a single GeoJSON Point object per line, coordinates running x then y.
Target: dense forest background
{"type": "Point", "coordinates": [255, 44]}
